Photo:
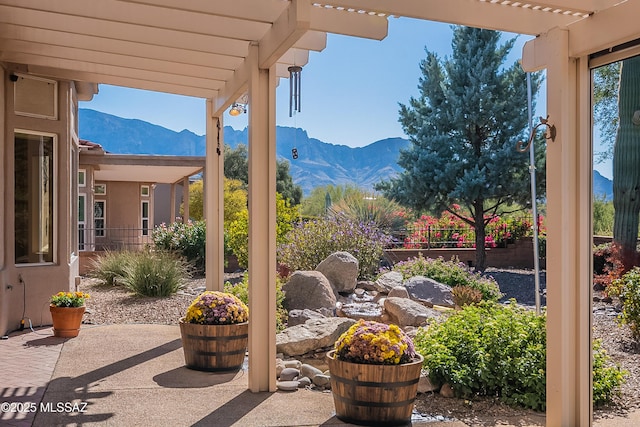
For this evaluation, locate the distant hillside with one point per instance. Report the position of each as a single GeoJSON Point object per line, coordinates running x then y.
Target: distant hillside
{"type": "Point", "coordinates": [602, 186]}
{"type": "Point", "coordinates": [318, 163]}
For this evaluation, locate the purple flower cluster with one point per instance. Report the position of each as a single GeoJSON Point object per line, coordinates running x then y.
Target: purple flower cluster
{"type": "Point", "coordinates": [375, 343]}
{"type": "Point", "coordinates": [217, 308]}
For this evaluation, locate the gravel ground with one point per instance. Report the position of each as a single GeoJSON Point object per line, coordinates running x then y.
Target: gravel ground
{"type": "Point", "coordinates": [111, 305]}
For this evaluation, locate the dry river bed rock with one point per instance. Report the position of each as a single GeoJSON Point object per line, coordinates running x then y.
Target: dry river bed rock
{"type": "Point", "coordinates": [115, 305]}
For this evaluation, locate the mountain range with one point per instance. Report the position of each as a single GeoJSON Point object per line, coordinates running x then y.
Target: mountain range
{"type": "Point", "coordinates": [318, 164]}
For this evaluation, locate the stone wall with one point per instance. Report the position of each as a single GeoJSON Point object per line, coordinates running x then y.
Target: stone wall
{"type": "Point", "coordinates": [516, 255]}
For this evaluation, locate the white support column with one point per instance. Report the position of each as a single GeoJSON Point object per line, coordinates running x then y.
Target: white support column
{"type": "Point", "coordinates": [214, 201]}
{"type": "Point", "coordinates": [569, 387]}
{"type": "Point", "coordinates": [185, 199]}
{"type": "Point", "coordinates": [262, 226]}
{"type": "Point", "coordinates": [172, 206]}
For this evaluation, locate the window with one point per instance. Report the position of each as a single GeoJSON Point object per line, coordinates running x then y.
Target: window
{"type": "Point", "coordinates": [82, 205]}
{"type": "Point", "coordinates": [144, 190]}
{"type": "Point", "coordinates": [34, 198]}
{"type": "Point", "coordinates": [100, 189]}
{"type": "Point", "coordinates": [82, 178]}
{"type": "Point", "coordinates": [145, 218]}
{"type": "Point", "coordinates": [99, 217]}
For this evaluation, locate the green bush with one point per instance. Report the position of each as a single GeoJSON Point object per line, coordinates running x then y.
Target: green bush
{"type": "Point", "coordinates": [386, 214]}
{"type": "Point", "coordinates": [241, 290]}
{"type": "Point", "coordinates": [465, 295]}
{"type": "Point", "coordinates": [187, 240]}
{"type": "Point", "coordinates": [311, 242]}
{"type": "Point", "coordinates": [497, 350]}
{"type": "Point", "coordinates": [237, 231]}
{"type": "Point", "coordinates": [603, 213]}
{"type": "Point", "coordinates": [627, 288]}
{"type": "Point", "coordinates": [451, 273]}
{"type": "Point", "coordinates": [154, 273]}
{"type": "Point", "coordinates": [110, 266]}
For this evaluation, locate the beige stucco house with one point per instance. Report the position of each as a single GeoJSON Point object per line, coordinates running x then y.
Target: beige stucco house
{"type": "Point", "coordinates": [117, 201]}
{"type": "Point", "coordinates": [54, 53]}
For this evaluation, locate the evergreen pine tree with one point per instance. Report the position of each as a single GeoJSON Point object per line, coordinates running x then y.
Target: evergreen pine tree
{"type": "Point", "coordinates": [463, 131]}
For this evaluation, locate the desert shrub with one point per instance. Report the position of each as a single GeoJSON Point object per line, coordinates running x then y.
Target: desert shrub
{"type": "Point", "coordinates": [500, 350]}
{"type": "Point", "coordinates": [154, 273]}
{"type": "Point", "coordinates": [241, 290]}
{"type": "Point", "coordinates": [606, 378]}
{"type": "Point", "coordinates": [188, 240]}
{"type": "Point", "coordinates": [238, 230]}
{"type": "Point", "coordinates": [603, 213]}
{"type": "Point", "coordinates": [387, 214]}
{"type": "Point", "coordinates": [110, 266]}
{"type": "Point", "coordinates": [627, 288]}
{"type": "Point", "coordinates": [451, 273]}
{"type": "Point", "coordinates": [311, 242]}
{"type": "Point", "coordinates": [465, 295]}
{"type": "Point", "coordinates": [608, 265]}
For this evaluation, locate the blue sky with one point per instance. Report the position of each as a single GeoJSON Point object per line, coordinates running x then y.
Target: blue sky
{"type": "Point", "coordinates": [350, 90]}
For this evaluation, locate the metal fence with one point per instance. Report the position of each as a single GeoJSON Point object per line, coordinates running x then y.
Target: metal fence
{"type": "Point", "coordinates": [433, 238]}
{"type": "Point", "coordinates": [113, 239]}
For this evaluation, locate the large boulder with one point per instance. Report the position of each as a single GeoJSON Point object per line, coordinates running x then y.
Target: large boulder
{"type": "Point", "coordinates": [406, 312]}
{"type": "Point", "coordinates": [309, 290]}
{"type": "Point", "coordinates": [298, 317]}
{"type": "Point", "coordinates": [388, 281]}
{"type": "Point", "coordinates": [341, 269]}
{"type": "Point", "coordinates": [312, 335]}
{"type": "Point", "coordinates": [429, 291]}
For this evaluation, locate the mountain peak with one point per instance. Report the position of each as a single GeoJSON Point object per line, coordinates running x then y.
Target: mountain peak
{"type": "Point", "coordinates": [318, 164]}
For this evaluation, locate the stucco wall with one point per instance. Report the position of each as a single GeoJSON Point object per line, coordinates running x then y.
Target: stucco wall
{"type": "Point", "coordinates": [26, 288]}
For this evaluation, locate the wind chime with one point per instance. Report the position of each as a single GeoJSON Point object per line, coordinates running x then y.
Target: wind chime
{"type": "Point", "coordinates": [295, 74]}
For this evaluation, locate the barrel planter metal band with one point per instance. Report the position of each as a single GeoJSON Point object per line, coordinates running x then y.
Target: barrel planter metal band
{"type": "Point", "coordinates": [381, 395]}
{"type": "Point", "coordinates": [214, 347]}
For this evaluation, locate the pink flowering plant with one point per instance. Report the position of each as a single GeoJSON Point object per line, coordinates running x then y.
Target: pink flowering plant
{"type": "Point", "coordinates": [217, 308]}
{"type": "Point", "coordinates": [375, 343]}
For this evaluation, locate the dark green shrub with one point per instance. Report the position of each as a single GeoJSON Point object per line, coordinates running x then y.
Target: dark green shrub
{"type": "Point", "coordinates": [154, 273]}
{"type": "Point", "coordinates": [497, 350]}
{"type": "Point", "coordinates": [627, 288]}
{"type": "Point", "coordinates": [188, 240]}
{"type": "Point", "coordinates": [311, 242]}
{"type": "Point", "coordinates": [110, 266]}
{"type": "Point", "coordinates": [450, 273]}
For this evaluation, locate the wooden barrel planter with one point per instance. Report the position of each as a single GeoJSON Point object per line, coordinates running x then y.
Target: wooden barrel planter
{"type": "Point", "coordinates": [214, 347]}
{"type": "Point", "coordinates": [66, 320]}
{"type": "Point", "coordinates": [378, 395]}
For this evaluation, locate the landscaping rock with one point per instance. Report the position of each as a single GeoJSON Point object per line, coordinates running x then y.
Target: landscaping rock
{"type": "Point", "coordinates": [399, 291]}
{"type": "Point", "coordinates": [341, 269]}
{"type": "Point", "coordinates": [429, 291]}
{"type": "Point", "coordinates": [446, 391]}
{"type": "Point", "coordinates": [289, 374]}
{"type": "Point", "coordinates": [287, 385]}
{"type": "Point", "coordinates": [298, 317]}
{"type": "Point", "coordinates": [406, 312]}
{"type": "Point", "coordinates": [313, 334]}
{"type": "Point", "coordinates": [309, 290]}
{"type": "Point", "coordinates": [388, 281]}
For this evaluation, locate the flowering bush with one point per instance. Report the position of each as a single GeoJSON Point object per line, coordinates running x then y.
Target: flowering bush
{"type": "Point", "coordinates": [451, 231]}
{"type": "Point", "coordinates": [452, 273]}
{"type": "Point", "coordinates": [375, 343]}
{"type": "Point", "coordinates": [311, 242]}
{"type": "Point", "coordinates": [217, 308]}
{"type": "Point", "coordinates": [186, 239]}
{"type": "Point", "coordinates": [69, 299]}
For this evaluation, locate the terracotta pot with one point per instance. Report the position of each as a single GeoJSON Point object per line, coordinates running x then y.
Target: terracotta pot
{"type": "Point", "coordinates": [66, 320]}
{"type": "Point", "coordinates": [374, 394]}
{"type": "Point", "coordinates": [214, 347]}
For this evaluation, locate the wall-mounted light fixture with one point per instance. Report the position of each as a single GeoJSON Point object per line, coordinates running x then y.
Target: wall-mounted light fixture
{"type": "Point", "coordinates": [551, 134]}
{"type": "Point", "coordinates": [240, 106]}
{"type": "Point", "coordinates": [13, 77]}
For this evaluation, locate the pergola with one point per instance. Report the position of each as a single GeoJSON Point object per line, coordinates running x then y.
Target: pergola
{"type": "Point", "coordinates": [221, 50]}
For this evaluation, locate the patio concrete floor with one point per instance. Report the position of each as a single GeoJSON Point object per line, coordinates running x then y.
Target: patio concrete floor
{"type": "Point", "coordinates": [134, 375]}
